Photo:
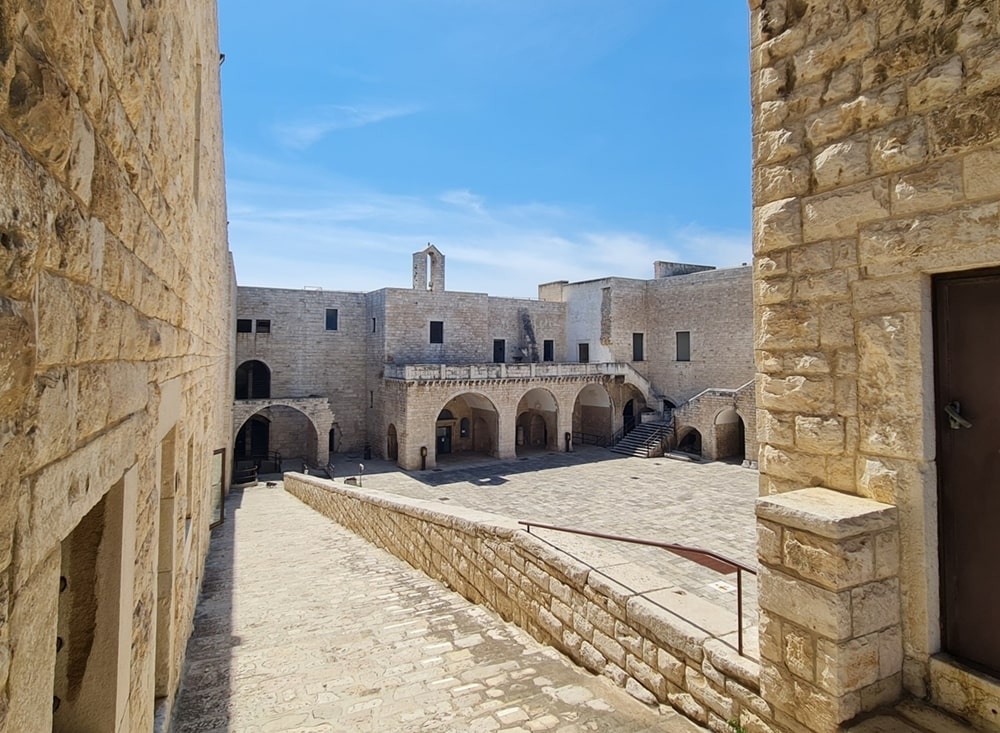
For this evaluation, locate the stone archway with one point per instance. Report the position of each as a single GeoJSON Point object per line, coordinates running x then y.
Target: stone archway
{"type": "Point", "coordinates": [592, 415]}
{"type": "Point", "coordinates": [391, 443]}
{"type": "Point", "coordinates": [306, 436]}
{"type": "Point", "coordinates": [730, 435]}
{"type": "Point", "coordinates": [537, 420]}
{"type": "Point", "coordinates": [467, 424]}
{"type": "Point", "coordinates": [689, 441]}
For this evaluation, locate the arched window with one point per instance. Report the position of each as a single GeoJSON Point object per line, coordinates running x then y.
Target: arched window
{"type": "Point", "coordinates": [445, 415]}
{"type": "Point", "coordinates": [463, 428]}
{"type": "Point", "coordinates": [253, 381]}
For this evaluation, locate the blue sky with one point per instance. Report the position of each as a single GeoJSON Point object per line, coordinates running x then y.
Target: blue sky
{"type": "Point", "coordinates": [530, 140]}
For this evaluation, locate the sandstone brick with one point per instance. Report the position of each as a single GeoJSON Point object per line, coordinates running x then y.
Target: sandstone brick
{"type": "Point", "coordinates": [875, 606]}
{"type": "Point", "coordinates": [800, 653]}
{"type": "Point", "coordinates": [777, 225]}
{"type": "Point", "coordinates": [841, 164]}
{"type": "Point", "coordinates": [819, 610]}
{"type": "Point", "coordinates": [839, 213]}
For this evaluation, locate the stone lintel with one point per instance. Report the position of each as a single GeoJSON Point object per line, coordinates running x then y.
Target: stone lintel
{"type": "Point", "coordinates": [827, 513]}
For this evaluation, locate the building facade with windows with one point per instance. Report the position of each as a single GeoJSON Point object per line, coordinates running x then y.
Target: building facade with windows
{"type": "Point", "coordinates": [415, 374]}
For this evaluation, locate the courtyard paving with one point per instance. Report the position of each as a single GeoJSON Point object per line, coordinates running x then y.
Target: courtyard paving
{"type": "Point", "coordinates": [303, 626]}
{"type": "Point", "coordinates": [705, 505]}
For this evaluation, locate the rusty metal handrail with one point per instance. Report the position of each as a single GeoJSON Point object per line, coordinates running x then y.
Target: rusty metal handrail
{"type": "Point", "coordinates": [712, 560]}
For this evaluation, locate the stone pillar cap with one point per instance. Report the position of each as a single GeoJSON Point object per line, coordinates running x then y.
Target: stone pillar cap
{"type": "Point", "coordinates": [827, 513]}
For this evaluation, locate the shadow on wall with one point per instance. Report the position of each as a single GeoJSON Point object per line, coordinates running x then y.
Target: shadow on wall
{"type": "Point", "coordinates": [202, 702]}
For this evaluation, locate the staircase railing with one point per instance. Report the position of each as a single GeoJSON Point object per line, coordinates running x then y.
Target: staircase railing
{"type": "Point", "coordinates": [706, 558]}
{"type": "Point", "coordinates": [589, 439]}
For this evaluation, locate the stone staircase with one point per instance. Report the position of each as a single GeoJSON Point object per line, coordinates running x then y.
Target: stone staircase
{"type": "Point", "coordinates": [643, 440]}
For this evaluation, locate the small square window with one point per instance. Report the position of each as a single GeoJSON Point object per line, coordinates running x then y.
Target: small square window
{"type": "Point", "coordinates": [583, 352]}
{"type": "Point", "coordinates": [263, 326]}
{"type": "Point", "coordinates": [548, 350]}
{"type": "Point", "coordinates": [683, 346]}
{"type": "Point", "coordinates": [331, 319]}
{"type": "Point", "coordinates": [437, 332]}
{"type": "Point", "coordinates": [244, 325]}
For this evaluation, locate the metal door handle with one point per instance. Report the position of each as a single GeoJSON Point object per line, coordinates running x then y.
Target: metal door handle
{"type": "Point", "coordinates": [955, 420]}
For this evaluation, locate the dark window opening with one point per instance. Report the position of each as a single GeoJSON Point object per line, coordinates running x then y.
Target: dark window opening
{"type": "Point", "coordinates": [331, 319]}
{"type": "Point", "coordinates": [683, 346]}
{"type": "Point", "coordinates": [373, 325]}
{"type": "Point", "coordinates": [445, 415]}
{"type": "Point", "coordinates": [253, 381]}
{"type": "Point", "coordinates": [548, 349]}
{"type": "Point", "coordinates": [371, 399]}
{"type": "Point", "coordinates": [499, 351]}
{"type": "Point", "coordinates": [244, 325]}
{"type": "Point", "coordinates": [637, 347]}
{"type": "Point", "coordinates": [463, 428]}
{"type": "Point", "coordinates": [583, 353]}
{"type": "Point", "coordinates": [437, 332]}
{"type": "Point", "coordinates": [263, 326]}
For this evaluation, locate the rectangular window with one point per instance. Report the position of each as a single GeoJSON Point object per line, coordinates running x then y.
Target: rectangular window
{"type": "Point", "coordinates": [583, 351]}
{"type": "Point", "coordinates": [683, 346]}
{"type": "Point", "coordinates": [373, 325]}
{"type": "Point", "coordinates": [637, 350]}
{"type": "Point", "coordinates": [331, 319]}
{"type": "Point", "coordinates": [437, 332]}
{"type": "Point", "coordinates": [499, 351]}
{"type": "Point", "coordinates": [263, 326]}
{"type": "Point", "coordinates": [244, 325]}
{"type": "Point", "coordinates": [371, 399]}
{"type": "Point", "coordinates": [548, 349]}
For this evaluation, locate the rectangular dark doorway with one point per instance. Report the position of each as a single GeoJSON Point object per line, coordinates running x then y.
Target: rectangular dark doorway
{"type": "Point", "coordinates": [499, 351]}
{"type": "Point", "coordinates": [444, 440]}
{"type": "Point", "coordinates": [967, 352]}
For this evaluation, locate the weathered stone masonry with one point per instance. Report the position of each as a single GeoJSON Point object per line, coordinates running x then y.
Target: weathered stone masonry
{"type": "Point", "coordinates": [599, 623]}
{"type": "Point", "coordinates": [876, 147]}
{"type": "Point", "coordinates": [115, 310]}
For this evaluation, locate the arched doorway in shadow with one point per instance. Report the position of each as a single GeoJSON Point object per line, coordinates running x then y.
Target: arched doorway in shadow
{"type": "Point", "coordinates": [253, 381]}
{"type": "Point", "coordinates": [467, 424]}
{"type": "Point", "coordinates": [537, 422]}
{"type": "Point", "coordinates": [253, 439]}
{"type": "Point", "coordinates": [592, 416]}
{"type": "Point", "coordinates": [391, 444]}
{"type": "Point", "coordinates": [730, 436]}
{"type": "Point", "coordinates": [274, 435]}
{"type": "Point", "coordinates": [689, 441]}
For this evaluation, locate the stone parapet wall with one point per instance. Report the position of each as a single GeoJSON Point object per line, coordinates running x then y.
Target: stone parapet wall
{"type": "Point", "coordinates": [584, 612]}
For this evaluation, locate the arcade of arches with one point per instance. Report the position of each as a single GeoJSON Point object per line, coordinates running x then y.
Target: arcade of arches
{"type": "Point", "coordinates": [431, 423]}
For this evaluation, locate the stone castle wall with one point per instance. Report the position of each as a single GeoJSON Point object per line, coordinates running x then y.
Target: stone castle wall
{"type": "Point", "coordinates": [876, 147]}
{"type": "Point", "coordinates": [305, 358]}
{"type": "Point", "coordinates": [115, 313]}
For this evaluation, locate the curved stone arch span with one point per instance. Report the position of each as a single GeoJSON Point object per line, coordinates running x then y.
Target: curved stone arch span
{"type": "Point", "coordinates": [316, 410]}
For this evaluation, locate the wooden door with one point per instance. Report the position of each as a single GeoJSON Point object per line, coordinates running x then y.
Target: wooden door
{"type": "Point", "coordinates": [967, 344]}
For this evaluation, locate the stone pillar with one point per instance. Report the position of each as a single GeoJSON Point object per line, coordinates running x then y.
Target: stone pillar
{"type": "Point", "coordinates": [506, 433]}
{"type": "Point", "coordinates": [830, 620]}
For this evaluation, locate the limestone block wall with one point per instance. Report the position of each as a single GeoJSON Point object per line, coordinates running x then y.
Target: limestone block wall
{"type": "Point", "coordinates": [525, 325]}
{"type": "Point", "coordinates": [710, 413]}
{"type": "Point", "coordinates": [115, 318]}
{"type": "Point", "coordinates": [305, 358]}
{"type": "Point", "coordinates": [876, 141]}
{"type": "Point", "coordinates": [588, 311]}
{"type": "Point", "coordinates": [716, 308]}
{"type": "Point", "coordinates": [466, 318]}
{"type": "Point", "coordinates": [599, 623]}
{"type": "Point", "coordinates": [831, 634]}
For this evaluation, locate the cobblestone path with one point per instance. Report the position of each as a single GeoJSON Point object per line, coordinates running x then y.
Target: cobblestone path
{"type": "Point", "coordinates": [303, 626]}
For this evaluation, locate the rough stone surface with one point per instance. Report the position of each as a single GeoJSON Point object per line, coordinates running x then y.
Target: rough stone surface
{"type": "Point", "coordinates": [392, 649]}
{"type": "Point", "coordinates": [115, 312]}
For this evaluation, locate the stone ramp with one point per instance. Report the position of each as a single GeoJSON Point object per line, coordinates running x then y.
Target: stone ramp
{"type": "Point", "coordinates": [304, 626]}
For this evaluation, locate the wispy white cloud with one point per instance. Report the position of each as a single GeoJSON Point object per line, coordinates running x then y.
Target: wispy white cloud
{"type": "Point", "coordinates": [342, 236]}
{"type": "Point", "coordinates": [312, 128]}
